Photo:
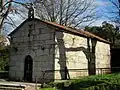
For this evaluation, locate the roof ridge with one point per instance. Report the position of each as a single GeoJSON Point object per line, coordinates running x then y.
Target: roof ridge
{"type": "Point", "coordinates": [75, 31]}
{"type": "Point", "coordinates": [82, 31]}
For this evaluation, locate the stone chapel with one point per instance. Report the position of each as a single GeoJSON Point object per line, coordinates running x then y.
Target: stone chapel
{"type": "Point", "coordinates": [46, 51]}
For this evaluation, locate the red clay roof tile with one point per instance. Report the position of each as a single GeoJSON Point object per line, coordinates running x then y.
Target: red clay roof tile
{"type": "Point", "coordinates": [66, 29]}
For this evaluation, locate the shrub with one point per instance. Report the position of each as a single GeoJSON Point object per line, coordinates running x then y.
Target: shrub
{"type": "Point", "coordinates": [98, 82]}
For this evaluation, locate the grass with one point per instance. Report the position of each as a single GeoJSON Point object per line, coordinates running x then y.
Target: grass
{"type": "Point", "coordinates": [98, 82]}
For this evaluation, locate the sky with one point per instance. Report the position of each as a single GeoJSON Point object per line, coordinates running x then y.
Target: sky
{"type": "Point", "coordinates": [102, 8]}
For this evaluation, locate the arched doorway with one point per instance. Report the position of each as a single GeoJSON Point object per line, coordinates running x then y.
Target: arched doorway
{"type": "Point", "coordinates": [28, 65]}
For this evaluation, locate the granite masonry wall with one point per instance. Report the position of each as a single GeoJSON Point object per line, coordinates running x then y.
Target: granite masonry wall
{"type": "Point", "coordinates": [39, 45]}
{"type": "Point", "coordinates": [74, 54]}
{"type": "Point", "coordinates": [103, 57]}
{"type": "Point", "coordinates": [52, 51]}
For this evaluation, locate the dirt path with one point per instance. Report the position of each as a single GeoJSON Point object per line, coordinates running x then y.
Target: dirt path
{"type": "Point", "coordinates": [28, 86]}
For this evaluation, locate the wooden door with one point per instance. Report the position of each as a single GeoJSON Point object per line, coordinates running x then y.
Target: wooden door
{"type": "Point", "coordinates": [28, 65]}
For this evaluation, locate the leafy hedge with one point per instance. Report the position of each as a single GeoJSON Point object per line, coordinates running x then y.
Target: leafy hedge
{"type": "Point", "coordinates": [98, 82]}
{"type": "Point", "coordinates": [4, 56]}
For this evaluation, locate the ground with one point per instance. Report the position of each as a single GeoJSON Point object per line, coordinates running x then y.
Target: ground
{"type": "Point", "coordinates": [17, 85]}
{"type": "Point", "coordinates": [96, 82]}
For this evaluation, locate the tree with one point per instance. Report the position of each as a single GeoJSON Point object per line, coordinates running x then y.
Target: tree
{"type": "Point", "coordinates": [115, 12]}
{"type": "Point", "coordinates": [4, 54]}
{"type": "Point", "coordinates": [112, 32]}
{"type": "Point", "coordinates": [4, 12]}
{"type": "Point", "coordinates": [66, 12]}
{"type": "Point", "coordinates": [11, 8]}
{"type": "Point", "coordinates": [106, 31]}
{"type": "Point", "coordinates": [4, 59]}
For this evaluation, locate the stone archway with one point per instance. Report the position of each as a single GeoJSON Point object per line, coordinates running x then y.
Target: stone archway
{"type": "Point", "coordinates": [28, 65]}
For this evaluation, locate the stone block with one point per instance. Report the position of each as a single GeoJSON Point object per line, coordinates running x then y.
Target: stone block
{"type": "Point", "coordinates": [12, 62]}
{"type": "Point", "coordinates": [35, 43]}
{"type": "Point", "coordinates": [13, 68]}
{"type": "Point", "coordinates": [44, 37]}
{"type": "Point", "coordinates": [59, 35]}
{"type": "Point", "coordinates": [52, 51]}
{"type": "Point", "coordinates": [46, 51]}
{"type": "Point", "coordinates": [49, 42]}
{"type": "Point", "coordinates": [49, 58]}
{"type": "Point", "coordinates": [19, 75]}
{"type": "Point", "coordinates": [22, 34]}
{"type": "Point", "coordinates": [32, 53]}
{"type": "Point", "coordinates": [42, 42]}
{"type": "Point", "coordinates": [57, 75]}
{"type": "Point", "coordinates": [39, 29]}
{"type": "Point", "coordinates": [34, 37]}
{"type": "Point", "coordinates": [21, 67]}
{"type": "Point", "coordinates": [12, 73]}
{"type": "Point", "coordinates": [39, 52]}
{"type": "Point", "coordinates": [22, 39]}
{"type": "Point", "coordinates": [47, 46]}
{"type": "Point", "coordinates": [38, 58]}
{"type": "Point", "coordinates": [31, 38]}
{"type": "Point", "coordinates": [36, 32]}
{"type": "Point", "coordinates": [62, 50]}
{"type": "Point", "coordinates": [26, 38]}
{"type": "Point", "coordinates": [37, 37]}
{"type": "Point", "coordinates": [46, 30]}
{"type": "Point", "coordinates": [14, 39]}
{"type": "Point", "coordinates": [52, 35]}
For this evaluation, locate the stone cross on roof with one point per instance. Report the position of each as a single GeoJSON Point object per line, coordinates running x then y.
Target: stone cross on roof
{"type": "Point", "coordinates": [31, 11]}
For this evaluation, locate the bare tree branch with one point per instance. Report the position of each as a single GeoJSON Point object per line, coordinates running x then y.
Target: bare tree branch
{"type": "Point", "coordinates": [8, 8]}
{"type": "Point", "coordinates": [5, 15]}
{"type": "Point", "coordinates": [64, 12]}
{"type": "Point", "coordinates": [115, 14]}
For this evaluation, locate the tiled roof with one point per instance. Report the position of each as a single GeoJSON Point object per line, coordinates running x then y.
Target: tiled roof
{"type": "Point", "coordinates": [66, 29]}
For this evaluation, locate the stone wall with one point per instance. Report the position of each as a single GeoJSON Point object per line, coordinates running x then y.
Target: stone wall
{"type": "Point", "coordinates": [39, 45]}
{"type": "Point", "coordinates": [103, 57]}
{"type": "Point", "coordinates": [74, 54]}
{"type": "Point", "coordinates": [54, 51]}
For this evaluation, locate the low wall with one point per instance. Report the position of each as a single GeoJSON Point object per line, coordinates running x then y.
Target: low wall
{"type": "Point", "coordinates": [3, 74]}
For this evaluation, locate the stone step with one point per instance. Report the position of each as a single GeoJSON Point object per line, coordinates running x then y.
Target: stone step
{"type": "Point", "coordinates": [4, 85]}
{"type": "Point", "coordinates": [10, 88]}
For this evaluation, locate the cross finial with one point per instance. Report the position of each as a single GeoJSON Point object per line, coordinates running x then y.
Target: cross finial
{"type": "Point", "coordinates": [31, 11]}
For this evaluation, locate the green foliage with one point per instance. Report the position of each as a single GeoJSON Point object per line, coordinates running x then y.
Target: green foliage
{"type": "Point", "coordinates": [98, 82]}
{"type": "Point", "coordinates": [106, 31]}
{"type": "Point", "coordinates": [4, 55]}
{"type": "Point", "coordinates": [1, 2]}
{"type": "Point", "coordinates": [4, 59]}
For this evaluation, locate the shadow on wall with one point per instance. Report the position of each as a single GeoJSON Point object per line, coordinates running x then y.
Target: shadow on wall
{"type": "Point", "coordinates": [62, 56]}
{"type": "Point", "coordinates": [89, 52]}
{"type": "Point", "coordinates": [92, 58]}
